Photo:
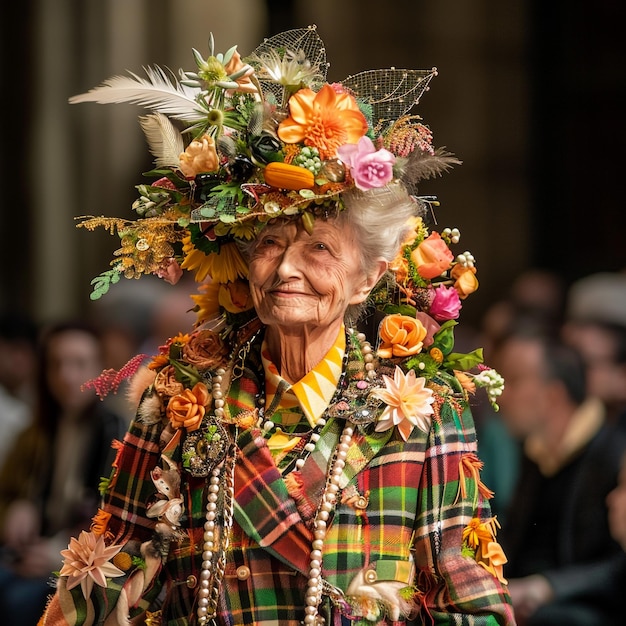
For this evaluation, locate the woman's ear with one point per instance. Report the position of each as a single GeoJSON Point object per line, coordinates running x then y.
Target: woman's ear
{"type": "Point", "coordinates": [369, 282]}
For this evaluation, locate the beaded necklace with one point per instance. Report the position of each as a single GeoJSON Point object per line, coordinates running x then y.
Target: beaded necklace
{"type": "Point", "coordinates": [350, 402]}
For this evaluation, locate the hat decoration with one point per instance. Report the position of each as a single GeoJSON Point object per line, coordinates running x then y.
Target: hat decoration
{"type": "Point", "coordinates": [238, 142]}
{"type": "Point", "coordinates": [241, 141]}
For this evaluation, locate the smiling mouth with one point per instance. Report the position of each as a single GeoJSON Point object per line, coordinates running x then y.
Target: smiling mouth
{"type": "Point", "coordinates": [285, 293]}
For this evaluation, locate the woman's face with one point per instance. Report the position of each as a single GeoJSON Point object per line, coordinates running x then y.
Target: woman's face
{"type": "Point", "coordinates": [299, 279]}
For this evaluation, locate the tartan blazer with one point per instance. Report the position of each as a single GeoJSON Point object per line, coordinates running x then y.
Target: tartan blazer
{"type": "Point", "coordinates": [397, 525]}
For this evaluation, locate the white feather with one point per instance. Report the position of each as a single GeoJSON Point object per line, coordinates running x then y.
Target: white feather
{"type": "Point", "coordinates": [164, 139]}
{"type": "Point", "coordinates": [158, 92]}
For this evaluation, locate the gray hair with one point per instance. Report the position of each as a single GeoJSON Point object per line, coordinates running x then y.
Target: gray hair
{"type": "Point", "coordinates": [380, 220]}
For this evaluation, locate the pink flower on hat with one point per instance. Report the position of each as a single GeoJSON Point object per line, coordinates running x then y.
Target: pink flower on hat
{"type": "Point", "coordinates": [369, 167]}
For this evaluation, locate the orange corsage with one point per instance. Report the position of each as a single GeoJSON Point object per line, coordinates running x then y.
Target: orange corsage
{"type": "Point", "coordinates": [481, 537]}
{"type": "Point", "coordinates": [187, 409]}
{"type": "Point", "coordinates": [401, 336]}
{"type": "Point", "coordinates": [100, 522]}
{"type": "Point", "coordinates": [465, 281]}
{"type": "Point", "coordinates": [432, 257]}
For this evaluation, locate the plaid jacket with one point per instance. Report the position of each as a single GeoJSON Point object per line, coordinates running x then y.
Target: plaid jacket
{"type": "Point", "coordinates": [398, 524]}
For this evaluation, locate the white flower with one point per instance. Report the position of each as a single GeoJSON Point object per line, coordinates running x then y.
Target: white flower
{"type": "Point", "coordinates": [86, 561]}
{"type": "Point", "coordinates": [408, 403]}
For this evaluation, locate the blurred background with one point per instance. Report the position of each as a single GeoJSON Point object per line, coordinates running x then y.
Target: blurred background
{"type": "Point", "coordinates": [530, 95]}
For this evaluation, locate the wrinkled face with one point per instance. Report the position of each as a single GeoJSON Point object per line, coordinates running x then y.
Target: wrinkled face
{"type": "Point", "coordinates": [73, 358]}
{"type": "Point", "coordinates": [298, 280]}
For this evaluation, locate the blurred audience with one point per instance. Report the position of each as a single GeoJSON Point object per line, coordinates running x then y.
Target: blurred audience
{"type": "Point", "coordinates": [563, 565]}
{"type": "Point", "coordinates": [18, 356]}
{"type": "Point", "coordinates": [596, 325]}
{"type": "Point", "coordinates": [49, 481]}
{"type": "Point", "coordinates": [535, 299]}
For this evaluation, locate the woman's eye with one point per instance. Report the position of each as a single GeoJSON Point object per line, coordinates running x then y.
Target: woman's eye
{"type": "Point", "coordinates": [320, 246]}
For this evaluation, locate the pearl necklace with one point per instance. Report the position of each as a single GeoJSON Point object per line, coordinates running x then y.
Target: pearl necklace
{"type": "Point", "coordinates": [212, 571]}
{"type": "Point", "coordinates": [327, 504]}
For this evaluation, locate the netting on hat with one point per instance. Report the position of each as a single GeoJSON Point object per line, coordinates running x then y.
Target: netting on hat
{"type": "Point", "coordinates": [390, 92]}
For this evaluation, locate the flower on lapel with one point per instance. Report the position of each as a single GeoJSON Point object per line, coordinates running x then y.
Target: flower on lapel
{"type": "Point", "coordinates": [408, 403]}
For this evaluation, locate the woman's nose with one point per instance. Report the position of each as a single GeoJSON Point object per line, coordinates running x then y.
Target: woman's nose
{"type": "Point", "coordinates": [289, 264]}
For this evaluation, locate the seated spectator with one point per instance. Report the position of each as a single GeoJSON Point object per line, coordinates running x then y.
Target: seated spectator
{"type": "Point", "coordinates": [596, 327]}
{"type": "Point", "coordinates": [563, 564]}
{"type": "Point", "coordinates": [49, 481]}
{"type": "Point", "coordinates": [18, 356]}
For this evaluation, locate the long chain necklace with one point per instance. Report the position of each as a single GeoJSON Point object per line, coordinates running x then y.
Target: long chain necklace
{"type": "Point", "coordinates": [215, 542]}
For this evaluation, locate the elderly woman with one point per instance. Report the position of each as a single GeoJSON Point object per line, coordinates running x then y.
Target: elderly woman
{"type": "Point", "coordinates": [281, 468]}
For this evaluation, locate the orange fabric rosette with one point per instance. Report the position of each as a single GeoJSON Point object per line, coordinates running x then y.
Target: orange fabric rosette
{"type": "Point", "coordinates": [199, 156]}
{"type": "Point", "coordinates": [187, 409]}
{"type": "Point", "coordinates": [465, 281]}
{"type": "Point", "coordinates": [326, 120]}
{"type": "Point", "coordinates": [432, 257]}
{"type": "Point", "coordinates": [401, 336]}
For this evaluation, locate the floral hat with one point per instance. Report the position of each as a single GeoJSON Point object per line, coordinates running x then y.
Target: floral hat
{"type": "Point", "coordinates": [237, 142]}
{"type": "Point", "coordinates": [240, 141]}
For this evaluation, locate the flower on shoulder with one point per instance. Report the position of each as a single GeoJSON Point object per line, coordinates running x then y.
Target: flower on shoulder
{"type": "Point", "coordinates": [409, 403]}
{"type": "Point", "coordinates": [158, 362]}
{"type": "Point", "coordinates": [187, 409]}
{"type": "Point", "coordinates": [324, 120]}
{"type": "Point", "coordinates": [166, 383]}
{"type": "Point", "coordinates": [401, 336]}
{"type": "Point", "coordinates": [432, 257]}
{"type": "Point", "coordinates": [481, 538]}
{"type": "Point", "coordinates": [87, 561]}
{"type": "Point", "coordinates": [465, 281]}
{"type": "Point", "coordinates": [446, 303]}
{"type": "Point", "coordinates": [369, 167]}
{"type": "Point", "coordinates": [205, 349]}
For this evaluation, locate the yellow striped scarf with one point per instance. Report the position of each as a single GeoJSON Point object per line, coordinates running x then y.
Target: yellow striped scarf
{"type": "Point", "coordinates": [310, 396]}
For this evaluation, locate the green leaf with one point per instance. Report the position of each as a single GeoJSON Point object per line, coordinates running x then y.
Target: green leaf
{"type": "Point", "coordinates": [444, 337]}
{"type": "Point", "coordinates": [186, 374]}
{"type": "Point", "coordinates": [102, 283]}
{"type": "Point", "coordinates": [401, 309]}
{"type": "Point", "coordinates": [464, 362]}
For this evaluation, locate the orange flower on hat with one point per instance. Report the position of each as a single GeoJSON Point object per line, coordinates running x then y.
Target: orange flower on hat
{"type": "Point", "coordinates": [465, 280]}
{"type": "Point", "coordinates": [244, 82]}
{"type": "Point", "coordinates": [199, 157]}
{"type": "Point", "coordinates": [324, 120]}
{"type": "Point", "coordinates": [401, 336]}
{"type": "Point", "coordinates": [187, 409]}
{"type": "Point", "coordinates": [432, 257]}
